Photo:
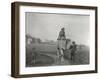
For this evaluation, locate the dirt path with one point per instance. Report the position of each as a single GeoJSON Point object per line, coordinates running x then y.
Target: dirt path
{"type": "Point", "coordinates": [57, 61]}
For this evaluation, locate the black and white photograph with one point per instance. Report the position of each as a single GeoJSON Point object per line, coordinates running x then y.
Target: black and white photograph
{"type": "Point", "coordinates": [53, 39]}
{"type": "Point", "coordinates": [56, 39]}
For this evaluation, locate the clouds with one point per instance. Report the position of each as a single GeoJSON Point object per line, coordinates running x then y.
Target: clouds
{"type": "Point", "coordinates": [47, 26]}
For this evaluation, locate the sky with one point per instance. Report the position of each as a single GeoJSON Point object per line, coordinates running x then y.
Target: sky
{"type": "Point", "coordinates": [46, 26]}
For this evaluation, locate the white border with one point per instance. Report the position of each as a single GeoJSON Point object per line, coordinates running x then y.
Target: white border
{"type": "Point", "coordinates": [51, 69]}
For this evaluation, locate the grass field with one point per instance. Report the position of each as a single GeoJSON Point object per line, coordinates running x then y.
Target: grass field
{"type": "Point", "coordinates": [44, 54]}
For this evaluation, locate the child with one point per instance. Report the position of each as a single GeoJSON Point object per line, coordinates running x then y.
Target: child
{"type": "Point", "coordinates": [73, 48]}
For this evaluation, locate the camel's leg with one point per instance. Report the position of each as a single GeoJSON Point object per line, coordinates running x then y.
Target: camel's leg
{"type": "Point", "coordinates": [58, 55]}
{"type": "Point", "coordinates": [62, 55]}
